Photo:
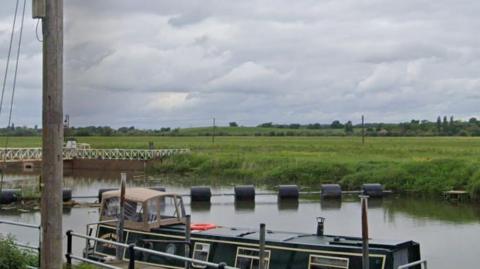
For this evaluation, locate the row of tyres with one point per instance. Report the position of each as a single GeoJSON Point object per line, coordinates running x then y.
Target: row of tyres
{"type": "Point", "coordinates": [241, 193]}
{"type": "Point", "coordinates": [286, 192]}
{"type": "Point", "coordinates": [8, 196]}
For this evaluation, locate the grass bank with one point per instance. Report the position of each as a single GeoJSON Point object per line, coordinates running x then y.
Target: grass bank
{"type": "Point", "coordinates": [428, 164]}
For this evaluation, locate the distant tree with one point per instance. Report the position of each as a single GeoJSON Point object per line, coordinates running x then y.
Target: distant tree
{"type": "Point", "coordinates": [452, 127]}
{"type": "Point", "coordinates": [473, 120]}
{"type": "Point", "coordinates": [233, 124]}
{"type": "Point", "coordinates": [314, 126]}
{"type": "Point", "coordinates": [266, 125]}
{"type": "Point", "coordinates": [445, 125]}
{"type": "Point", "coordinates": [349, 127]}
{"type": "Point", "coordinates": [336, 125]}
{"type": "Point", "coordinates": [439, 124]}
{"type": "Point", "coordinates": [294, 126]}
{"type": "Point", "coordinates": [379, 127]}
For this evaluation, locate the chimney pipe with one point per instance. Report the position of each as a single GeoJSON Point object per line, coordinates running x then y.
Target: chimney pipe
{"type": "Point", "coordinates": [320, 226]}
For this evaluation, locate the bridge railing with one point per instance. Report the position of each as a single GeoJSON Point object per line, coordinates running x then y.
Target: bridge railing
{"type": "Point", "coordinates": [19, 154]}
{"type": "Point", "coordinates": [14, 154]}
{"type": "Point", "coordinates": [125, 154]}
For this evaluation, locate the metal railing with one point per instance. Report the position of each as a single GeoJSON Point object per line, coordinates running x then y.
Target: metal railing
{"type": "Point", "coordinates": [409, 265]}
{"type": "Point", "coordinates": [22, 154]}
{"type": "Point", "coordinates": [131, 250]}
{"type": "Point", "coordinates": [24, 245]}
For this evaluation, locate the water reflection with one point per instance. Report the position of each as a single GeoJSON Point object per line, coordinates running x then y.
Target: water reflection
{"type": "Point", "coordinates": [432, 209]}
{"type": "Point", "coordinates": [242, 206]}
{"type": "Point", "coordinates": [375, 202]}
{"type": "Point", "coordinates": [200, 206]}
{"type": "Point", "coordinates": [287, 204]}
{"type": "Point", "coordinates": [331, 204]}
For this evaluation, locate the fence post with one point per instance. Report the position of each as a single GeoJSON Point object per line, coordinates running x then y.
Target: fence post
{"type": "Point", "coordinates": [39, 245]}
{"type": "Point", "coordinates": [365, 250]}
{"type": "Point", "coordinates": [262, 247]}
{"type": "Point", "coordinates": [121, 217]}
{"type": "Point", "coordinates": [69, 249]}
{"type": "Point", "coordinates": [131, 252]}
{"type": "Point", "coordinates": [187, 239]}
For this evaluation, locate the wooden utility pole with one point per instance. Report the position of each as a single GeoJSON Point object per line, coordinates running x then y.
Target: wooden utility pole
{"type": "Point", "coordinates": [51, 13]}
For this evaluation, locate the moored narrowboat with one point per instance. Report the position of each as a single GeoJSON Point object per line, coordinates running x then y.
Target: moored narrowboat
{"type": "Point", "coordinates": [157, 220]}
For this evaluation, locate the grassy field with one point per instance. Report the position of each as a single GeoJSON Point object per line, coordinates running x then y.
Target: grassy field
{"type": "Point", "coordinates": [410, 164]}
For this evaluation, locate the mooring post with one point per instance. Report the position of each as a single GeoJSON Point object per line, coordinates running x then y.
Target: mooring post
{"type": "Point", "coordinates": [69, 249]}
{"type": "Point", "coordinates": [365, 259]}
{"type": "Point", "coordinates": [131, 253]}
{"type": "Point", "coordinates": [221, 265]}
{"type": "Point", "coordinates": [262, 247]}
{"type": "Point", "coordinates": [187, 239]}
{"type": "Point", "coordinates": [121, 216]}
{"type": "Point", "coordinates": [39, 245]}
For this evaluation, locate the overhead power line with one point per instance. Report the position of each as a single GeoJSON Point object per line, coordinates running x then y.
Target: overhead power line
{"type": "Point", "coordinates": [8, 56]}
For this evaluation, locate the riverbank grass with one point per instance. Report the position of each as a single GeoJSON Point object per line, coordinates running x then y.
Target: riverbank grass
{"type": "Point", "coordinates": [417, 164]}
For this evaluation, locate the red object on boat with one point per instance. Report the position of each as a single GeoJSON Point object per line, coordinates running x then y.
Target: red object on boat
{"type": "Point", "coordinates": [202, 226]}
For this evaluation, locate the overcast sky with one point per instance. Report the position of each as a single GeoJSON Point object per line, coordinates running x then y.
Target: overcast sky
{"type": "Point", "coordinates": [152, 63]}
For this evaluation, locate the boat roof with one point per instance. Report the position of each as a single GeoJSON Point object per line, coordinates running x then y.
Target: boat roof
{"type": "Point", "coordinates": [137, 194]}
{"type": "Point", "coordinates": [298, 238]}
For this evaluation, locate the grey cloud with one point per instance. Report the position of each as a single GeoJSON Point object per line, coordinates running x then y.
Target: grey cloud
{"type": "Point", "coordinates": [153, 63]}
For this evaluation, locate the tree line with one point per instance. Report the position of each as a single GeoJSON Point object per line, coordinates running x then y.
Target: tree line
{"type": "Point", "coordinates": [443, 126]}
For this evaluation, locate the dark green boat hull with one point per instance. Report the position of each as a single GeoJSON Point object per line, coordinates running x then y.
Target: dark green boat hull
{"type": "Point", "coordinates": [293, 252]}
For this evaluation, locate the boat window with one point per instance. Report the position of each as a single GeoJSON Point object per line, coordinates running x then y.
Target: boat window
{"type": "Point", "coordinates": [248, 258]}
{"type": "Point", "coordinates": [152, 210]}
{"type": "Point", "coordinates": [181, 208]}
{"type": "Point", "coordinates": [168, 208]}
{"type": "Point", "coordinates": [133, 211]}
{"type": "Point", "coordinates": [111, 207]}
{"type": "Point", "coordinates": [200, 252]}
{"type": "Point", "coordinates": [327, 262]}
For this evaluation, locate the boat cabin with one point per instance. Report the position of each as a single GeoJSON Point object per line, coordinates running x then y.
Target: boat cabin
{"type": "Point", "coordinates": [144, 209]}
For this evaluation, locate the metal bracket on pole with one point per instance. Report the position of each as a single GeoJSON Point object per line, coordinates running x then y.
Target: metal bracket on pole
{"type": "Point", "coordinates": [39, 9]}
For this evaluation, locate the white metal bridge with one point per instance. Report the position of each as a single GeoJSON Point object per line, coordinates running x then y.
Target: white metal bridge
{"type": "Point", "coordinates": [24, 154]}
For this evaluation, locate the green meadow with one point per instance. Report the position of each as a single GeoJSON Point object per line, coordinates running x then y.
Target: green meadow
{"type": "Point", "coordinates": [413, 164]}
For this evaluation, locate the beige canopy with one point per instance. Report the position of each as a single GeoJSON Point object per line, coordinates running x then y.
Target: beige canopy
{"type": "Point", "coordinates": [144, 209]}
{"type": "Point", "coordinates": [136, 194]}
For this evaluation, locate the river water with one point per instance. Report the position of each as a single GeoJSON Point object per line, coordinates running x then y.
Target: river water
{"type": "Point", "coordinates": [448, 233]}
